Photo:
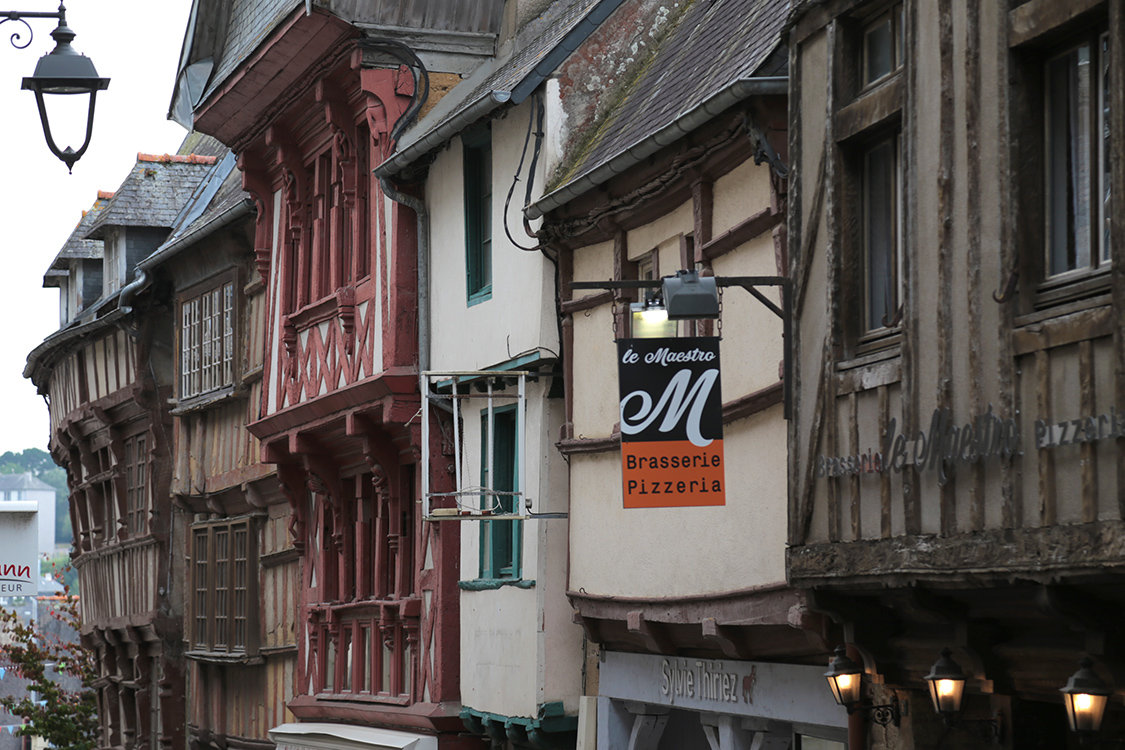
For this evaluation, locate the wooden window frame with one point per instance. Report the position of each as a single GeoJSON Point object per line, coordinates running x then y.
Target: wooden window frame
{"type": "Point", "coordinates": [868, 114]}
{"type": "Point", "coordinates": [201, 375]}
{"type": "Point", "coordinates": [503, 561]}
{"type": "Point", "coordinates": [224, 587]}
{"type": "Point", "coordinates": [893, 15]}
{"type": "Point", "coordinates": [477, 167]}
{"type": "Point", "coordinates": [1099, 250]}
{"type": "Point", "coordinates": [1041, 30]}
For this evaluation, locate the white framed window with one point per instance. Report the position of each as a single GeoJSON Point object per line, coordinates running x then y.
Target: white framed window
{"type": "Point", "coordinates": [208, 319]}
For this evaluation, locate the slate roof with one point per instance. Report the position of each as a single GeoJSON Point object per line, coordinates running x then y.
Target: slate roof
{"type": "Point", "coordinates": [514, 74]}
{"type": "Point", "coordinates": [714, 44]}
{"type": "Point", "coordinates": [25, 481]}
{"type": "Point", "coordinates": [154, 192]}
{"type": "Point", "coordinates": [76, 246]}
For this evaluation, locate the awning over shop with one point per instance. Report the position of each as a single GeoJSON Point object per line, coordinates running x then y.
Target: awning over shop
{"type": "Point", "coordinates": [323, 736]}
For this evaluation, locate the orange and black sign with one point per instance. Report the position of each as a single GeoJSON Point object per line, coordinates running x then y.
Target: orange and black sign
{"type": "Point", "coordinates": [671, 422]}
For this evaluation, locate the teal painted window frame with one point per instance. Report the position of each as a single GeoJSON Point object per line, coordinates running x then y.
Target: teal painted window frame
{"type": "Point", "coordinates": [477, 168]}
{"type": "Point", "coordinates": [500, 541]}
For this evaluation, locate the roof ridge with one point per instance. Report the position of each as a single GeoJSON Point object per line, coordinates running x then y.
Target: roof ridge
{"type": "Point", "coordinates": [104, 195]}
{"type": "Point", "coordinates": [175, 158]}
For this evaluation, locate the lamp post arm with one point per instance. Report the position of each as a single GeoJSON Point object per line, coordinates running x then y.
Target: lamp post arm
{"type": "Point", "coordinates": [22, 16]}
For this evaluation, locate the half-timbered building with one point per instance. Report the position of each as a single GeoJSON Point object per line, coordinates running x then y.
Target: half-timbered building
{"type": "Point", "coordinates": [694, 638]}
{"type": "Point", "coordinates": [239, 635]}
{"type": "Point", "coordinates": [312, 98]}
{"type": "Point", "coordinates": [956, 449]}
{"type": "Point", "coordinates": [107, 377]}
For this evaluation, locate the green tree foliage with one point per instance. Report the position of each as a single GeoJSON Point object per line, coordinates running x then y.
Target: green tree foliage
{"type": "Point", "coordinates": [67, 719]}
{"type": "Point", "coordinates": [35, 460]}
{"type": "Point", "coordinates": [41, 465]}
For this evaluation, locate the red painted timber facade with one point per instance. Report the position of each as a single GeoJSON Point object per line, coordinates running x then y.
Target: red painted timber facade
{"type": "Point", "coordinates": [377, 609]}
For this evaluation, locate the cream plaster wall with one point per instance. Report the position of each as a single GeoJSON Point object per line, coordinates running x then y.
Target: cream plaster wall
{"type": "Point", "coordinates": [520, 315]}
{"type": "Point", "coordinates": [671, 552]}
{"type": "Point", "coordinates": [645, 238]}
{"type": "Point", "coordinates": [743, 186]}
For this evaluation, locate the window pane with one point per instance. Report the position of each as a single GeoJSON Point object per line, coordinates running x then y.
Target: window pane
{"type": "Point", "coordinates": [878, 49]}
{"type": "Point", "coordinates": [367, 655]}
{"type": "Point", "coordinates": [1068, 160]}
{"type": "Point", "coordinates": [241, 586]}
{"type": "Point", "coordinates": [200, 553]}
{"type": "Point", "coordinates": [347, 682]}
{"type": "Point", "coordinates": [222, 587]}
{"type": "Point", "coordinates": [387, 660]}
{"type": "Point", "coordinates": [880, 183]}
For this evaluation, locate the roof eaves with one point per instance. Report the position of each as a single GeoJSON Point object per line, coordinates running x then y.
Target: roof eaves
{"type": "Point", "coordinates": [736, 91]}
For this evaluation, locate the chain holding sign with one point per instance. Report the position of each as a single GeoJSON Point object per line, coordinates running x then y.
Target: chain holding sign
{"type": "Point", "coordinates": [671, 422]}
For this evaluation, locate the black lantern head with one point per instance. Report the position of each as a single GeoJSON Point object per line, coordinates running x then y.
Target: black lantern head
{"type": "Point", "coordinates": [845, 677]}
{"type": "Point", "coordinates": [65, 71]}
{"type": "Point", "coordinates": [689, 296]}
{"type": "Point", "coordinates": [1086, 696]}
{"type": "Point", "coordinates": [947, 686]}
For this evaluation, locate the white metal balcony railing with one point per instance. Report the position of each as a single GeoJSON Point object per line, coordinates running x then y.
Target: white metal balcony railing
{"type": "Point", "coordinates": [448, 391]}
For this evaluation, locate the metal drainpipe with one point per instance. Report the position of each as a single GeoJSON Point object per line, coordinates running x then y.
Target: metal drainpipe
{"type": "Point", "coordinates": [419, 208]}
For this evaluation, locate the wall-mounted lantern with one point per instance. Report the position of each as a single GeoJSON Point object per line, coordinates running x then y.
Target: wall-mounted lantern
{"type": "Point", "coordinates": [62, 71]}
{"type": "Point", "coordinates": [1086, 696]}
{"type": "Point", "coordinates": [689, 296]}
{"type": "Point", "coordinates": [651, 319]}
{"type": "Point", "coordinates": [845, 679]}
{"type": "Point", "coordinates": [946, 681]}
{"type": "Point", "coordinates": [947, 686]}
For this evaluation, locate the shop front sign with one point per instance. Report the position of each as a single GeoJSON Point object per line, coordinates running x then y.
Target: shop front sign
{"type": "Point", "coordinates": [671, 422]}
{"type": "Point", "coordinates": [786, 692]}
{"type": "Point", "coordinates": [19, 548]}
{"type": "Point", "coordinates": [945, 444]}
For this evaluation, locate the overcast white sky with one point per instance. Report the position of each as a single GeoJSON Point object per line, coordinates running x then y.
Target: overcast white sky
{"type": "Point", "coordinates": [136, 43]}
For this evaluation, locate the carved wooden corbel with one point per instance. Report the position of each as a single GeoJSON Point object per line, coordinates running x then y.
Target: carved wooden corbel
{"type": "Point", "coordinates": [255, 181]}
{"type": "Point", "coordinates": [291, 478]}
{"type": "Point", "coordinates": [345, 306]}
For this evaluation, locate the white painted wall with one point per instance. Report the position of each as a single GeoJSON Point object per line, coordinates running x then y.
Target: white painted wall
{"type": "Point", "coordinates": [520, 316]}
{"type": "Point", "coordinates": [519, 646]}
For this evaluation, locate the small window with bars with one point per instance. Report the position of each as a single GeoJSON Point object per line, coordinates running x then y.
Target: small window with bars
{"type": "Point", "coordinates": [207, 341]}
{"type": "Point", "coordinates": [222, 587]}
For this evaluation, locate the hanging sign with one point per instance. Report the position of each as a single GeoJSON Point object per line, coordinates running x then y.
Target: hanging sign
{"type": "Point", "coordinates": [671, 422]}
{"type": "Point", "coordinates": [19, 548]}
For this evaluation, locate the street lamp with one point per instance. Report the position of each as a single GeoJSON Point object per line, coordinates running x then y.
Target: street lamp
{"type": "Point", "coordinates": [1086, 696]}
{"type": "Point", "coordinates": [61, 71]}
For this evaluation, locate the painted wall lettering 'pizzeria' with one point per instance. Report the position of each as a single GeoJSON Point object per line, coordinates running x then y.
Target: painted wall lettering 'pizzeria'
{"type": "Point", "coordinates": [671, 422]}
